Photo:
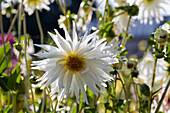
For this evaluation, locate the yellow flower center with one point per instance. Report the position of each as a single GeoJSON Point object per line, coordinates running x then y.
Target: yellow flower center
{"type": "Point", "coordinates": [148, 1]}
{"type": "Point", "coordinates": [33, 2]}
{"type": "Point", "coordinates": [74, 62]}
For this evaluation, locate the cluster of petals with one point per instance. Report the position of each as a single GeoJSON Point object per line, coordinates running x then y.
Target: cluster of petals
{"type": "Point", "coordinates": [150, 9]}
{"type": "Point", "coordinates": [145, 68]}
{"type": "Point", "coordinates": [90, 52]}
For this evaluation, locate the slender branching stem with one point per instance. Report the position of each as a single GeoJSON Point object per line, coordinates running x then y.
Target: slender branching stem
{"type": "Point", "coordinates": [55, 108]}
{"type": "Point", "coordinates": [12, 25]}
{"type": "Point", "coordinates": [162, 98]}
{"type": "Point", "coordinates": [51, 102]}
{"type": "Point", "coordinates": [61, 7]}
{"type": "Point", "coordinates": [32, 94]}
{"type": "Point", "coordinates": [39, 26]}
{"type": "Point", "coordinates": [126, 32]}
{"type": "Point", "coordinates": [20, 20]}
{"type": "Point", "coordinates": [3, 41]}
{"type": "Point", "coordinates": [43, 101]}
{"type": "Point", "coordinates": [152, 85]}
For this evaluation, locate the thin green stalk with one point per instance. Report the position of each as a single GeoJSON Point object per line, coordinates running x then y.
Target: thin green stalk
{"type": "Point", "coordinates": [44, 101]}
{"type": "Point", "coordinates": [12, 25]}
{"type": "Point", "coordinates": [134, 87]}
{"type": "Point", "coordinates": [39, 26]}
{"type": "Point", "coordinates": [114, 94]}
{"type": "Point", "coordinates": [32, 94]}
{"type": "Point", "coordinates": [26, 61]}
{"type": "Point", "coordinates": [3, 41]}
{"type": "Point", "coordinates": [61, 7]}
{"type": "Point", "coordinates": [14, 99]}
{"type": "Point", "coordinates": [20, 21]}
{"type": "Point", "coordinates": [127, 29]}
{"type": "Point", "coordinates": [51, 102]}
{"type": "Point", "coordinates": [162, 98]}
{"type": "Point", "coordinates": [126, 94]}
{"type": "Point", "coordinates": [0, 98]}
{"type": "Point", "coordinates": [104, 17]}
{"type": "Point", "coordinates": [55, 108]}
{"type": "Point", "coordinates": [152, 85]}
{"type": "Point", "coordinates": [119, 14]}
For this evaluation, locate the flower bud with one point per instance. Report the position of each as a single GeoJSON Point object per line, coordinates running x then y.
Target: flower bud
{"type": "Point", "coordinates": [161, 35]}
{"type": "Point", "coordinates": [131, 64]}
{"type": "Point", "coordinates": [18, 46]}
{"type": "Point", "coordinates": [159, 55]}
{"type": "Point", "coordinates": [133, 10]}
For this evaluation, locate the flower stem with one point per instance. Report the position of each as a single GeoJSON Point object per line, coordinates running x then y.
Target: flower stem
{"type": "Point", "coordinates": [26, 61]}
{"type": "Point", "coordinates": [14, 97]}
{"type": "Point", "coordinates": [39, 26]}
{"type": "Point", "coordinates": [20, 20]}
{"type": "Point", "coordinates": [127, 28]}
{"type": "Point", "coordinates": [61, 7]}
{"type": "Point", "coordinates": [32, 94]}
{"type": "Point", "coordinates": [3, 41]}
{"type": "Point", "coordinates": [43, 101]}
{"type": "Point", "coordinates": [152, 85]}
{"type": "Point", "coordinates": [12, 25]}
{"type": "Point", "coordinates": [126, 94]}
{"type": "Point", "coordinates": [50, 99]}
{"type": "Point", "coordinates": [119, 14]}
{"type": "Point", "coordinates": [0, 98]}
{"type": "Point", "coordinates": [55, 108]}
{"type": "Point", "coordinates": [160, 102]}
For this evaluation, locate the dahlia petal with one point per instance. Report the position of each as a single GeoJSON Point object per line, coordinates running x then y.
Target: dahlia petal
{"type": "Point", "coordinates": [48, 47]}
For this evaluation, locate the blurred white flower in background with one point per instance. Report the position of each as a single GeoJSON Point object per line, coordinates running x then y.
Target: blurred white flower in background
{"type": "Point", "coordinates": [145, 68]}
{"type": "Point", "coordinates": [75, 64]}
{"type": "Point", "coordinates": [29, 51]}
{"type": "Point", "coordinates": [150, 9]}
{"type": "Point", "coordinates": [32, 5]}
{"type": "Point", "coordinates": [121, 21]}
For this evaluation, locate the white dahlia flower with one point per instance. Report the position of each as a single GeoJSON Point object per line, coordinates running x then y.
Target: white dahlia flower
{"type": "Point", "coordinates": [145, 68]}
{"type": "Point", "coordinates": [75, 64]}
{"type": "Point", "coordinates": [32, 5]}
{"type": "Point", "coordinates": [150, 9]}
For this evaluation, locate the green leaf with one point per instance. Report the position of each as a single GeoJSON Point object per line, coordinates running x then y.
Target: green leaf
{"type": "Point", "coordinates": [107, 30]}
{"type": "Point", "coordinates": [156, 91]}
{"type": "Point", "coordinates": [168, 50]}
{"type": "Point", "coordinates": [3, 82]}
{"type": "Point", "coordinates": [145, 89]}
{"type": "Point", "coordinates": [168, 22]}
{"type": "Point", "coordinates": [13, 79]}
{"type": "Point", "coordinates": [107, 106]}
{"type": "Point", "coordinates": [2, 58]}
{"type": "Point", "coordinates": [7, 108]}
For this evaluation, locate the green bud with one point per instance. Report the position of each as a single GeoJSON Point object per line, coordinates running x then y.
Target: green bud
{"type": "Point", "coordinates": [145, 90]}
{"type": "Point", "coordinates": [151, 41]}
{"type": "Point", "coordinates": [135, 73]}
{"type": "Point", "coordinates": [38, 91]}
{"type": "Point", "coordinates": [18, 46]}
{"type": "Point", "coordinates": [117, 65]}
{"type": "Point", "coordinates": [131, 64]}
{"type": "Point", "coordinates": [133, 10]}
{"type": "Point", "coordinates": [159, 55]}
{"type": "Point", "coordinates": [161, 35]}
{"type": "Point", "coordinates": [33, 80]}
